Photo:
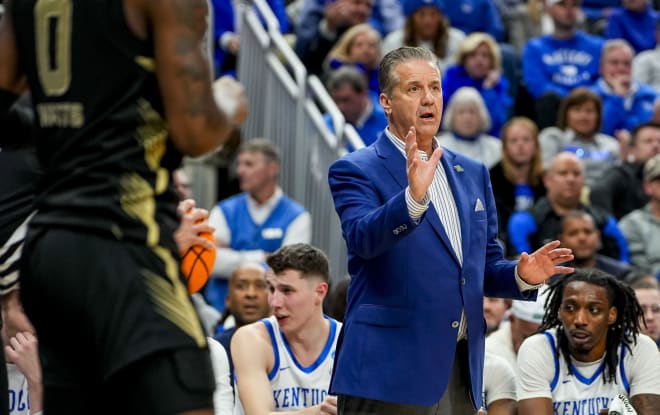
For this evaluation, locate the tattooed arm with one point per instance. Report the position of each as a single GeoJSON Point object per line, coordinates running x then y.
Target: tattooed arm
{"type": "Point", "coordinates": [196, 123]}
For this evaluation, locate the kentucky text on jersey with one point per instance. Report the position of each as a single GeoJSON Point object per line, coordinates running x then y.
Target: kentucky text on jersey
{"type": "Point", "coordinates": [297, 396]}
{"type": "Point", "coordinates": [590, 406]}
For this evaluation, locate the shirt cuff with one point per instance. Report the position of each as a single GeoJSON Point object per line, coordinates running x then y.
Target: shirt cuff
{"type": "Point", "coordinates": [522, 285]}
{"type": "Point", "coordinates": [416, 210]}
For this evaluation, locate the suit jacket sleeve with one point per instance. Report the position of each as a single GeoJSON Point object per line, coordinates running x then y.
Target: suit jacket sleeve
{"type": "Point", "coordinates": [371, 224]}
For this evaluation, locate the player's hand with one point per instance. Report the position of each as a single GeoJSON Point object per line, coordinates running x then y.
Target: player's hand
{"type": "Point", "coordinates": [420, 172]}
{"type": "Point", "coordinates": [193, 222]}
{"type": "Point", "coordinates": [329, 406]}
{"type": "Point", "coordinates": [230, 96]}
{"type": "Point", "coordinates": [620, 84]}
{"type": "Point", "coordinates": [23, 351]}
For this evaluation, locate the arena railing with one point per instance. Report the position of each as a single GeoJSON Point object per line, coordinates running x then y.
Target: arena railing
{"type": "Point", "coordinates": [287, 107]}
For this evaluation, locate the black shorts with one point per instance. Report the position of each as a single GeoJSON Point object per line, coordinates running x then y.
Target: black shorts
{"type": "Point", "coordinates": [107, 310]}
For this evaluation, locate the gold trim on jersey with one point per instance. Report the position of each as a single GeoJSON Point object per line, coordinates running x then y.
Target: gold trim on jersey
{"type": "Point", "coordinates": [146, 63]}
{"type": "Point", "coordinates": [171, 297]}
{"type": "Point", "coordinates": [169, 294]}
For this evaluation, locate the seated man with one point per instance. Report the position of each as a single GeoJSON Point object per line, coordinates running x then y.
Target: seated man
{"type": "Point", "coordinates": [524, 320]}
{"type": "Point", "coordinates": [590, 351]}
{"type": "Point", "coordinates": [348, 88]}
{"type": "Point", "coordinates": [620, 191]}
{"type": "Point", "coordinates": [256, 222]}
{"type": "Point", "coordinates": [648, 295]}
{"type": "Point", "coordinates": [579, 233]}
{"type": "Point", "coordinates": [626, 102]}
{"type": "Point", "coordinates": [496, 310]}
{"type": "Point", "coordinates": [641, 227]}
{"type": "Point", "coordinates": [554, 64]}
{"type": "Point", "coordinates": [284, 363]}
{"type": "Point", "coordinates": [246, 302]}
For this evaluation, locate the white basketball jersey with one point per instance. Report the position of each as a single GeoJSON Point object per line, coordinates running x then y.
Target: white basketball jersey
{"type": "Point", "coordinates": [19, 402]}
{"type": "Point", "coordinates": [296, 387]}
{"type": "Point", "coordinates": [584, 392]}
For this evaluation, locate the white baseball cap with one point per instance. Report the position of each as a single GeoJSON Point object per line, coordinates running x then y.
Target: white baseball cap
{"type": "Point", "coordinates": [531, 311]}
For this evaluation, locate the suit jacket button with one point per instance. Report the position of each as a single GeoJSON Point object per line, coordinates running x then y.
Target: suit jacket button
{"type": "Point", "coordinates": [454, 324]}
{"type": "Point", "coordinates": [463, 281]}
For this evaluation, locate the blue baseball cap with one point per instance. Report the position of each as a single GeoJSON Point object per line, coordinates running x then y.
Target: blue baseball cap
{"type": "Point", "coordinates": [410, 6]}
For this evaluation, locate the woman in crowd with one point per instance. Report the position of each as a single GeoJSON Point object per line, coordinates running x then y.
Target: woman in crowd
{"type": "Point", "coordinates": [359, 46]}
{"type": "Point", "coordinates": [517, 178]}
{"type": "Point", "coordinates": [479, 66]}
{"type": "Point", "coordinates": [578, 131]}
{"type": "Point", "coordinates": [466, 125]}
{"type": "Point", "coordinates": [427, 26]}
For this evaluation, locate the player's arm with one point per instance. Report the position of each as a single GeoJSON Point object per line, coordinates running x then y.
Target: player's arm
{"type": "Point", "coordinates": [12, 81]}
{"type": "Point", "coordinates": [646, 403]}
{"type": "Point", "coordinates": [196, 123]}
{"type": "Point", "coordinates": [503, 407]}
{"type": "Point", "coordinates": [535, 406]}
{"type": "Point", "coordinates": [253, 358]}
{"type": "Point", "coordinates": [535, 376]}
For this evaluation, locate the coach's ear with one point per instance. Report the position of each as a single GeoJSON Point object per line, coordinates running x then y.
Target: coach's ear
{"type": "Point", "coordinates": [385, 103]}
{"type": "Point", "coordinates": [611, 318]}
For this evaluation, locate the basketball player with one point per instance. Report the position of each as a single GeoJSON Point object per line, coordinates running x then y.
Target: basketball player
{"type": "Point", "coordinates": [120, 90]}
{"type": "Point", "coordinates": [284, 362]}
{"type": "Point", "coordinates": [589, 351]}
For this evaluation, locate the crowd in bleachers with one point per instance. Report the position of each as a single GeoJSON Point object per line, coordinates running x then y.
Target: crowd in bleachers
{"type": "Point", "coordinates": [573, 76]}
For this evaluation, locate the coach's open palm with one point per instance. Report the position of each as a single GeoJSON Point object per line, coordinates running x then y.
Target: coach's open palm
{"type": "Point", "coordinates": [420, 172]}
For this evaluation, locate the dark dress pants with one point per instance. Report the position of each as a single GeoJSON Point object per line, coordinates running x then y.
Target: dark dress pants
{"type": "Point", "coordinates": [455, 401]}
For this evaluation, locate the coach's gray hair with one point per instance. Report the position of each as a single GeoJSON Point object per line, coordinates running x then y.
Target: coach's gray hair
{"type": "Point", "coordinates": [387, 76]}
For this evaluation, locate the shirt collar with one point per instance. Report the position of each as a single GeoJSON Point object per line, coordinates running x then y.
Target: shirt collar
{"type": "Point", "coordinates": [270, 202]}
{"type": "Point", "coordinates": [401, 145]}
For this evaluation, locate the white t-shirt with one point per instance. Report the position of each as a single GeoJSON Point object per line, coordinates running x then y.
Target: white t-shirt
{"type": "Point", "coordinates": [543, 374]}
{"type": "Point", "coordinates": [500, 343]}
{"type": "Point", "coordinates": [499, 379]}
{"type": "Point", "coordinates": [223, 397]}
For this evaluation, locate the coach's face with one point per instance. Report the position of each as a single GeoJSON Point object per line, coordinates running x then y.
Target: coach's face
{"type": "Point", "coordinates": [586, 315]}
{"type": "Point", "coordinates": [415, 101]}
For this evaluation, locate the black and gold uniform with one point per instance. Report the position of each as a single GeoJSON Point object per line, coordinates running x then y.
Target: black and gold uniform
{"type": "Point", "coordinates": [101, 279]}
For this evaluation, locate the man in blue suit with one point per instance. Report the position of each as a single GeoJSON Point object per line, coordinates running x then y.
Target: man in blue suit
{"type": "Point", "coordinates": [422, 253]}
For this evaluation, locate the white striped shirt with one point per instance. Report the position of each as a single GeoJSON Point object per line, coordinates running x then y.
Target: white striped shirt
{"type": "Point", "coordinates": [440, 194]}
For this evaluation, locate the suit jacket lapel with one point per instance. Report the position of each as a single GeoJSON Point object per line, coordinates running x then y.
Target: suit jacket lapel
{"type": "Point", "coordinates": [394, 161]}
{"type": "Point", "coordinates": [396, 165]}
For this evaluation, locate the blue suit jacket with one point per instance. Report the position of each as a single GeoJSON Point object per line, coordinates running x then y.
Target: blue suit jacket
{"type": "Point", "coordinates": [408, 288]}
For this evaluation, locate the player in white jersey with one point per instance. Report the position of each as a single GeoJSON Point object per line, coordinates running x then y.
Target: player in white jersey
{"type": "Point", "coordinates": [284, 363]}
{"type": "Point", "coordinates": [588, 351]}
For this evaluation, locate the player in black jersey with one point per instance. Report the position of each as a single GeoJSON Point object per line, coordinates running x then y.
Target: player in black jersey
{"type": "Point", "coordinates": [120, 89]}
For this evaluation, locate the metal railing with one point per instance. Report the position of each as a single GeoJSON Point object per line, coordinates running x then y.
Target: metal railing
{"type": "Point", "coordinates": [287, 107]}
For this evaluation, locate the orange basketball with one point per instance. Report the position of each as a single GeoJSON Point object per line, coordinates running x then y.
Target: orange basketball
{"type": "Point", "coordinates": [197, 264]}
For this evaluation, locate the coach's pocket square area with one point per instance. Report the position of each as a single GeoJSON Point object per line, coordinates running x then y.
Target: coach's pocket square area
{"type": "Point", "coordinates": [478, 206]}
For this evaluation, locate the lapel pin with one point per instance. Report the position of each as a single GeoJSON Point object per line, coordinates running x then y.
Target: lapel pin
{"type": "Point", "coordinates": [458, 168]}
